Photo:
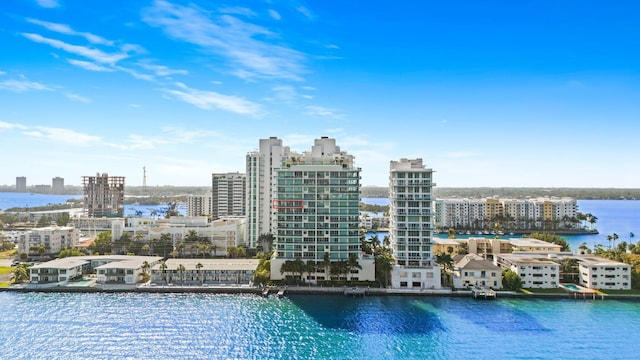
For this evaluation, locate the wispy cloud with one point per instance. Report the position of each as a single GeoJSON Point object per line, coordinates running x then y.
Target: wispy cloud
{"type": "Point", "coordinates": [76, 97]}
{"type": "Point", "coordinates": [208, 100]}
{"type": "Point", "coordinates": [2, 72]}
{"type": "Point", "coordinates": [67, 30]}
{"type": "Point", "coordinates": [274, 14]}
{"type": "Point", "coordinates": [306, 12]}
{"type": "Point", "coordinates": [20, 86]}
{"type": "Point", "coordinates": [283, 93]}
{"type": "Point", "coordinates": [61, 135]}
{"type": "Point", "coordinates": [135, 74]}
{"type": "Point", "coordinates": [87, 52]}
{"type": "Point", "coordinates": [162, 70]}
{"type": "Point", "coordinates": [243, 44]}
{"type": "Point", "coordinates": [6, 125]}
{"type": "Point", "coordinates": [87, 65]}
{"type": "Point", "coordinates": [321, 111]}
{"type": "Point", "coordinates": [238, 11]}
{"type": "Point", "coordinates": [48, 3]}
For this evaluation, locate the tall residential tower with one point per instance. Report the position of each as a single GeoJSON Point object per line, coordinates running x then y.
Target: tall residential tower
{"type": "Point", "coordinates": [410, 213]}
{"type": "Point", "coordinates": [228, 195]}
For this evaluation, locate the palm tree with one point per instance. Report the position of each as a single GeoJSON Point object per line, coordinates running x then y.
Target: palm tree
{"type": "Point", "coordinates": [174, 254]}
{"type": "Point", "coordinates": [165, 238]}
{"type": "Point", "coordinates": [326, 265]}
{"type": "Point", "coordinates": [163, 268]}
{"type": "Point", "coordinates": [583, 248]}
{"type": "Point", "coordinates": [181, 269]}
{"type": "Point", "coordinates": [592, 219]}
{"type": "Point", "coordinates": [146, 249]}
{"type": "Point", "coordinates": [201, 273]}
{"type": "Point", "coordinates": [145, 270]}
{"type": "Point", "coordinates": [310, 267]}
{"type": "Point", "coordinates": [446, 261]}
{"type": "Point", "coordinates": [384, 264]}
{"type": "Point", "coordinates": [352, 264]}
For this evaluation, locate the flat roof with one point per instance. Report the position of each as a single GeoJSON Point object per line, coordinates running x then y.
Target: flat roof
{"type": "Point", "coordinates": [211, 264]}
{"type": "Point", "coordinates": [596, 260]}
{"type": "Point", "coordinates": [525, 258]}
{"type": "Point", "coordinates": [530, 242]}
{"type": "Point", "coordinates": [64, 263]}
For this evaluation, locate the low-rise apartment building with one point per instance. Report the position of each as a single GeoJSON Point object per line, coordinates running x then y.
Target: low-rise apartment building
{"type": "Point", "coordinates": [537, 271]}
{"type": "Point", "coordinates": [204, 271]}
{"type": "Point", "coordinates": [599, 273]}
{"type": "Point", "coordinates": [52, 238]}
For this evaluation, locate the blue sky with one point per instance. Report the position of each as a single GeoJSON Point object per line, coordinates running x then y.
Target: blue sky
{"type": "Point", "coordinates": [488, 93]}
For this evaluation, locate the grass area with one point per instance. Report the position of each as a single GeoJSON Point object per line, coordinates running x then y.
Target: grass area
{"type": "Point", "coordinates": [4, 284]}
{"type": "Point", "coordinates": [546, 291]}
{"type": "Point", "coordinates": [10, 254]}
{"type": "Point", "coordinates": [622, 292]}
{"type": "Point", "coordinates": [526, 291]}
{"type": "Point", "coordinates": [5, 270]}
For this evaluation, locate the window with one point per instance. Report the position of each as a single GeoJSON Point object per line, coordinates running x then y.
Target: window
{"type": "Point", "coordinates": [403, 284]}
{"type": "Point", "coordinates": [416, 284]}
{"type": "Point", "coordinates": [416, 275]}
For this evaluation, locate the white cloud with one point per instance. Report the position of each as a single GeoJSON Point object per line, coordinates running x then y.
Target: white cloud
{"type": "Point", "coordinates": [283, 93]}
{"type": "Point", "coordinates": [6, 125]}
{"type": "Point", "coordinates": [89, 65]}
{"type": "Point", "coordinates": [93, 54]}
{"type": "Point", "coordinates": [314, 110]}
{"type": "Point", "coordinates": [274, 14]}
{"type": "Point", "coordinates": [137, 75]}
{"type": "Point", "coordinates": [67, 30]}
{"type": "Point", "coordinates": [304, 11]}
{"type": "Point", "coordinates": [48, 3]}
{"type": "Point", "coordinates": [208, 100]}
{"type": "Point", "coordinates": [66, 136]}
{"type": "Point", "coordinates": [238, 11]}
{"type": "Point", "coordinates": [243, 44]}
{"type": "Point", "coordinates": [21, 85]}
{"type": "Point", "coordinates": [2, 72]}
{"type": "Point", "coordinates": [162, 70]}
{"type": "Point", "coordinates": [76, 97]}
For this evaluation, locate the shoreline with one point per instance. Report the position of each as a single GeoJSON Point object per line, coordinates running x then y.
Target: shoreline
{"type": "Point", "coordinates": [309, 290]}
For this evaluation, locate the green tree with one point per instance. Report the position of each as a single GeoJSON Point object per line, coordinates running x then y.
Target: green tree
{"type": "Point", "coordinates": [181, 269]}
{"type": "Point", "coordinates": [21, 273]}
{"type": "Point", "coordinates": [199, 267]}
{"type": "Point", "coordinates": [44, 221]}
{"type": "Point", "coordinates": [145, 271]}
{"type": "Point", "coordinates": [63, 219]}
{"type": "Point", "coordinates": [446, 262]}
{"type": "Point", "coordinates": [145, 249]}
{"type": "Point", "coordinates": [352, 264]}
{"type": "Point", "coordinates": [511, 281]}
{"type": "Point", "coordinates": [384, 264]}
{"type": "Point", "coordinates": [163, 268]}
{"type": "Point", "coordinates": [552, 238]}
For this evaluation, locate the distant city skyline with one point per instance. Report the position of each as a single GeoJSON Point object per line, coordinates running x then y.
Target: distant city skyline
{"type": "Point", "coordinates": [488, 94]}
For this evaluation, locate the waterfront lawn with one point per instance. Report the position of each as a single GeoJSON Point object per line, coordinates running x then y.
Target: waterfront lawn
{"type": "Point", "coordinates": [5, 276]}
{"type": "Point", "coordinates": [622, 292]}
{"type": "Point", "coordinates": [9, 254]}
{"type": "Point", "coordinates": [547, 291]}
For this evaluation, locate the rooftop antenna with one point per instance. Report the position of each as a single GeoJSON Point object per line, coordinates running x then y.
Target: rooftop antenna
{"type": "Point", "coordinates": [144, 179]}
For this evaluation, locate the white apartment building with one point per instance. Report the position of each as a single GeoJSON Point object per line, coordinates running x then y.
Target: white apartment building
{"type": "Point", "coordinates": [479, 214]}
{"type": "Point", "coordinates": [228, 195]}
{"type": "Point", "coordinates": [410, 225]}
{"type": "Point", "coordinates": [53, 238]}
{"type": "Point", "coordinates": [537, 271]}
{"type": "Point", "coordinates": [260, 177]}
{"type": "Point", "coordinates": [316, 210]}
{"type": "Point", "coordinates": [199, 205]}
{"type": "Point", "coordinates": [599, 273]}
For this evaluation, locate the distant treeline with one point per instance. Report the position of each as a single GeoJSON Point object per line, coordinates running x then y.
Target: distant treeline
{"type": "Point", "coordinates": [519, 193]}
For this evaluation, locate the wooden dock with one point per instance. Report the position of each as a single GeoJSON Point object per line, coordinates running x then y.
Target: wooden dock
{"type": "Point", "coordinates": [482, 293]}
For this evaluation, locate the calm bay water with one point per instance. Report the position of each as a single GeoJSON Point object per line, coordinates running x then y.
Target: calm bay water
{"type": "Point", "coordinates": [614, 216]}
{"type": "Point", "coordinates": [200, 326]}
{"type": "Point", "coordinates": [12, 199]}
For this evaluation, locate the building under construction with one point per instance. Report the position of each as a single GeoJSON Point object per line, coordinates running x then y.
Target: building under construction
{"type": "Point", "coordinates": [103, 195]}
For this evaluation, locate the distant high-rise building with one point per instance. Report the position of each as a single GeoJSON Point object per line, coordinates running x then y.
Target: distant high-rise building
{"type": "Point", "coordinates": [57, 185]}
{"type": "Point", "coordinates": [261, 165]}
{"type": "Point", "coordinates": [228, 195]}
{"type": "Point", "coordinates": [410, 226]}
{"type": "Point", "coordinates": [21, 184]}
{"type": "Point", "coordinates": [199, 205]}
{"type": "Point", "coordinates": [103, 195]}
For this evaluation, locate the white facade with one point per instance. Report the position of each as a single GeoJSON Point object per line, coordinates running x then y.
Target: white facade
{"type": "Point", "coordinates": [604, 274]}
{"type": "Point", "coordinates": [53, 238]}
{"type": "Point", "coordinates": [472, 270]}
{"type": "Point", "coordinates": [124, 269]}
{"type": "Point", "coordinates": [57, 272]}
{"type": "Point", "coordinates": [537, 271]}
{"type": "Point", "coordinates": [410, 225]}
{"type": "Point", "coordinates": [260, 177]}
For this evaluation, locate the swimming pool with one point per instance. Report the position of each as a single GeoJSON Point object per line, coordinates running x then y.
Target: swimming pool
{"type": "Point", "coordinates": [572, 287]}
